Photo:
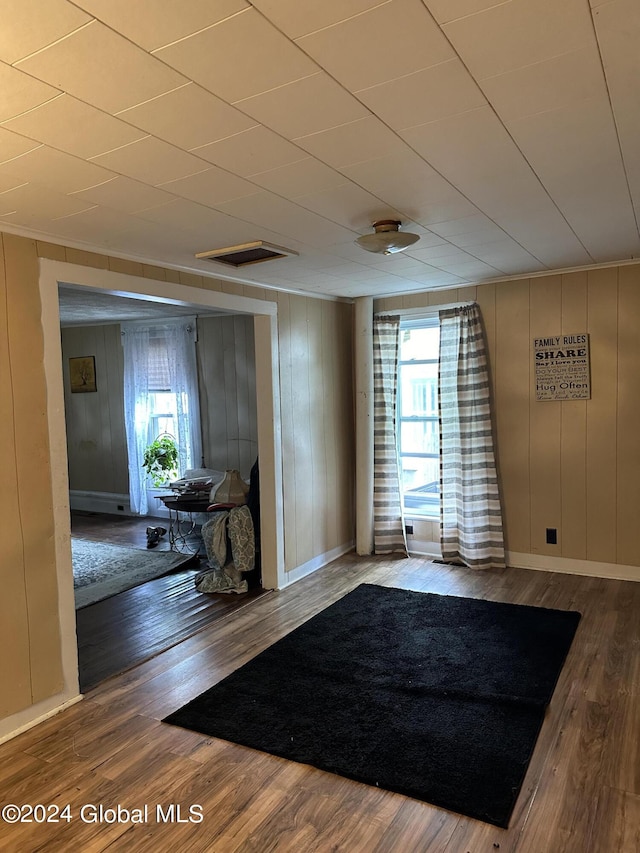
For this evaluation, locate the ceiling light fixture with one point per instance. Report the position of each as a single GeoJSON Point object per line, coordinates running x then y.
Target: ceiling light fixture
{"type": "Point", "coordinates": [387, 239]}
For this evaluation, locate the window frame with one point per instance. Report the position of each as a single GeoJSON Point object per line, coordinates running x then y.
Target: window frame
{"type": "Point", "coordinates": [426, 508]}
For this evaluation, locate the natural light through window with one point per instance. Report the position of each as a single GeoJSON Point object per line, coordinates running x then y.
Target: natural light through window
{"type": "Point", "coordinates": [418, 432]}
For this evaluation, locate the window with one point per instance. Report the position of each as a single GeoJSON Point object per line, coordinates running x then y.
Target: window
{"type": "Point", "coordinates": [418, 427]}
{"type": "Point", "coordinates": [164, 403]}
{"type": "Point", "coordinates": [160, 397]}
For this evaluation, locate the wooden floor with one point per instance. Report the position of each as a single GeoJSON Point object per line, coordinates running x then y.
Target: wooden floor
{"type": "Point", "coordinates": [123, 631]}
{"type": "Point", "coordinates": [581, 793]}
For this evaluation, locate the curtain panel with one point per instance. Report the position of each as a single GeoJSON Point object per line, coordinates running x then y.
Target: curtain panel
{"type": "Point", "coordinates": [471, 514]}
{"type": "Point", "coordinates": [388, 522]}
{"type": "Point", "coordinates": [165, 350]}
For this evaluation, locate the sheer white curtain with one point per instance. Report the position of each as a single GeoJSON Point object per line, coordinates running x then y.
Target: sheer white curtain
{"type": "Point", "coordinates": [159, 357]}
{"type": "Point", "coordinates": [471, 516]}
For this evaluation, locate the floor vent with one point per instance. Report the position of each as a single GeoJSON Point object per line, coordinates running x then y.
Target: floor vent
{"type": "Point", "coordinates": [246, 254]}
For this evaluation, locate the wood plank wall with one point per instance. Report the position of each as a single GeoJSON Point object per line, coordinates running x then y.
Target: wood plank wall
{"type": "Point", "coordinates": [96, 440]}
{"type": "Point", "coordinates": [573, 465]}
{"type": "Point", "coordinates": [316, 374]}
{"type": "Point", "coordinates": [30, 666]}
{"type": "Point", "coordinates": [317, 420]}
{"type": "Point", "coordinates": [227, 379]}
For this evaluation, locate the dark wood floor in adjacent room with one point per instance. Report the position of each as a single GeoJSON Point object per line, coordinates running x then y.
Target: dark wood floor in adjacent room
{"type": "Point", "coordinates": [133, 626]}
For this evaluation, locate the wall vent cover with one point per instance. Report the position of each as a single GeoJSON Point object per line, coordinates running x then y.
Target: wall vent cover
{"type": "Point", "coordinates": [245, 254]}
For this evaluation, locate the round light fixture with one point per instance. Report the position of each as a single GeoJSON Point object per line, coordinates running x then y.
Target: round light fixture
{"type": "Point", "coordinates": [387, 239]}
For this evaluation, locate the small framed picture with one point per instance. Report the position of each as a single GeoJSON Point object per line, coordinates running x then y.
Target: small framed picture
{"type": "Point", "coordinates": [82, 374]}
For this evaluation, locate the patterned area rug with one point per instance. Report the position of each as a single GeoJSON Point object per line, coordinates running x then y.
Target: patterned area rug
{"type": "Point", "coordinates": [101, 570]}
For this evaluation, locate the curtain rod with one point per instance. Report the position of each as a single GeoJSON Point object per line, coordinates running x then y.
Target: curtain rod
{"type": "Point", "coordinates": [423, 311]}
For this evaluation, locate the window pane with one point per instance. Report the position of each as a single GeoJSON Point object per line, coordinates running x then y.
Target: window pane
{"type": "Point", "coordinates": [421, 482]}
{"type": "Point", "coordinates": [419, 390]}
{"type": "Point", "coordinates": [163, 417]}
{"type": "Point", "coordinates": [162, 425]}
{"type": "Point", "coordinates": [420, 343]}
{"type": "Point", "coordinates": [162, 402]}
{"type": "Point", "coordinates": [419, 437]}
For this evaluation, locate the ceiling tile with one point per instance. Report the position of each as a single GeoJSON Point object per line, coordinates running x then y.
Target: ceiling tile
{"type": "Point", "coordinates": [98, 224]}
{"type": "Point", "coordinates": [55, 169]}
{"type": "Point", "coordinates": [35, 204]}
{"type": "Point", "coordinates": [208, 228]}
{"type": "Point", "coordinates": [547, 85]}
{"type": "Point", "coordinates": [618, 31]}
{"type": "Point", "coordinates": [9, 182]}
{"type": "Point", "coordinates": [151, 160]}
{"type": "Point", "coordinates": [427, 95]}
{"type": "Point", "coordinates": [511, 35]}
{"type": "Point", "coordinates": [125, 194]}
{"type": "Point", "coordinates": [365, 139]}
{"type": "Point", "coordinates": [188, 117]}
{"type": "Point", "coordinates": [449, 10]}
{"type": "Point", "coordinates": [301, 178]}
{"type": "Point", "coordinates": [475, 151]}
{"type": "Point", "coordinates": [266, 210]}
{"type": "Point", "coordinates": [477, 154]}
{"type": "Point", "coordinates": [464, 225]}
{"type": "Point", "coordinates": [19, 92]}
{"type": "Point", "coordinates": [298, 19]}
{"type": "Point", "coordinates": [211, 187]}
{"type": "Point", "coordinates": [591, 190]}
{"type": "Point", "coordinates": [348, 205]}
{"type": "Point", "coordinates": [152, 25]}
{"type": "Point", "coordinates": [28, 25]}
{"type": "Point", "coordinates": [251, 152]}
{"type": "Point", "coordinates": [74, 127]}
{"type": "Point", "coordinates": [508, 256]}
{"type": "Point", "coordinates": [443, 253]}
{"type": "Point", "coordinates": [11, 145]}
{"type": "Point", "coordinates": [305, 106]}
{"type": "Point", "coordinates": [411, 186]}
{"type": "Point", "coordinates": [387, 42]}
{"type": "Point", "coordinates": [78, 64]}
{"type": "Point", "coordinates": [478, 270]}
{"type": "Point", "coordinates": [479, 237]}
{"type": "Point", "coordinates": [210, 57]}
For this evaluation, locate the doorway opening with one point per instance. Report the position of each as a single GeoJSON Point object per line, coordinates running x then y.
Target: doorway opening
{"type": "Point", "coordinates": [101, 284]}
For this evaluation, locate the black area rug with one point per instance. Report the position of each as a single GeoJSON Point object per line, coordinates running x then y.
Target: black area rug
{"type": "Point", "coordinates": [436, 697]}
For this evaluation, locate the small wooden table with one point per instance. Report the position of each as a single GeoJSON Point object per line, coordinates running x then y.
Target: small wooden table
{"type": "Point", "coordinates": [184, 532]}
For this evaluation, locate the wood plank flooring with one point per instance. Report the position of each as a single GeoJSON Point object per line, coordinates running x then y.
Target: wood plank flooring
{"type": "Point", "coordinates": [581, 793]}
{"type": "Point", "coordinates": [122, 631]}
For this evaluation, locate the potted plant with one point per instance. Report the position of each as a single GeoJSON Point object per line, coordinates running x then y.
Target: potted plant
{"type": "Point", "coordinates": [161, 460]}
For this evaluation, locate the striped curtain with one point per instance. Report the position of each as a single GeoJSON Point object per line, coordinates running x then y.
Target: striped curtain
{"type": "Point", "coordinates": [471, 515]}
{"type": "Point", "coordinates": [388, 523]}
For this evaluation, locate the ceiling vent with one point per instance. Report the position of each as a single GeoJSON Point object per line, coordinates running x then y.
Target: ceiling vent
{"type": "Point", "coordinates": [246, 254]}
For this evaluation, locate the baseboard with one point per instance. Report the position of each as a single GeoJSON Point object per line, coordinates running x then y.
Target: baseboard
{"type": "Point", "coordinates": [564, 565]}
{"type": "Point", "coordinates": [316, 563]}
{"type": "Point", "coordinates": [114, 504]}
{"type": "Point", "coordinates": [109, 502]}
{"type": "Point", "coordinates": [21, 722]}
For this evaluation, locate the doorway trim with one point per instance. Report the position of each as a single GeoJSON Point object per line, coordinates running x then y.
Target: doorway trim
{"type": "Point", "coordinates": [53, 273]}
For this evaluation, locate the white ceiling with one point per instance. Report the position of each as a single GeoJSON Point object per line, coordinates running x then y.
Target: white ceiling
{"type": "Point", "coordinates": [506, 134]}
{"type": "Point", "coordinates": [86, 306]}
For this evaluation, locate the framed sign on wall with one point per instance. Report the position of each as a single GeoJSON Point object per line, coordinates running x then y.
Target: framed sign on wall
{"type": "Point", "coordinates": [561, 367]}
{"type": "Point", "coordinates": [82, 374]}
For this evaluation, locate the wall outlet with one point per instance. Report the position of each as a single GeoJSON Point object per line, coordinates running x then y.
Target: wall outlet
{"type": "Point", "coordinates": [552, 536]}
{"type": "Point", "coordinates": [408, 529]}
